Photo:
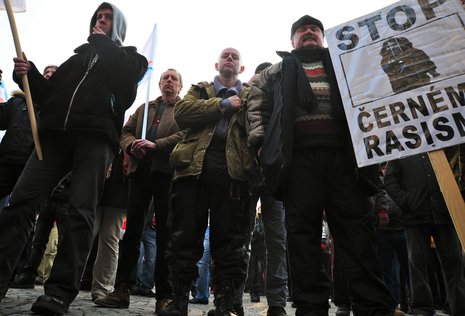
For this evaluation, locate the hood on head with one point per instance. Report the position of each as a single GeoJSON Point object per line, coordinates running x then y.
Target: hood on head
{"type": "Point", "coordinates": [118, 31]}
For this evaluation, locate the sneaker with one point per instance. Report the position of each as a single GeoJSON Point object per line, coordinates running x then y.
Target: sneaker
{"type": "Point", "coordinates": [116, 299]}
{"type": "Point", "coordinates": [23, 280]}
{"type": "Point", "coordinates": [276, 311]}
{"type": "Point", "coordinates": [49, 305]}
{"type": "Point", "coordinates": [196, 301]}
{"type": "Point", "coordinates": [343, 310]}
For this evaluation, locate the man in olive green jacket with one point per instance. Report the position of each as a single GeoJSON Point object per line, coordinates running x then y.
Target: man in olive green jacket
{"type": "Point", "coordinates": [212, 168]}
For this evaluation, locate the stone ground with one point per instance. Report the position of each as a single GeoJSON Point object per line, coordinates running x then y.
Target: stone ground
{"type": "Point", "coordinates": [18, 302]}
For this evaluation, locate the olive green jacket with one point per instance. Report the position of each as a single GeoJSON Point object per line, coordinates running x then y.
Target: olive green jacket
{"type": "Point", "coordinates": [199, 111]}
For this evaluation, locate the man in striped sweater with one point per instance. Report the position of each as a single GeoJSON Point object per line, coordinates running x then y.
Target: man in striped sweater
{"type": "Point", "coordinates": [298, 129]}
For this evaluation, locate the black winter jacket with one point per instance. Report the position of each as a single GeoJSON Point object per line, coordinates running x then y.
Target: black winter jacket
{"type": "Point", "coordinates": [411, 183]}
{"type": "Point", "coordinates": [86, 94]}
{"type": "Point", "coordinates": [17, 143]}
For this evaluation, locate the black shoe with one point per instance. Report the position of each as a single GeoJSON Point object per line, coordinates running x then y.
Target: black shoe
{"type": "Point", "coordinates": [174, 309]}
{"type": "Point", "coordinates": [254, 298]}
{"type": "Point", "coordinates": [3, 293]}
{"type": "Point", "coordinates": [196, 301]}
{"type": "Point", "coordinates": [276, 311]}
{"type": "Point", "coordinates": [161, 304]}
{"type": "Point", "coordinates": [343, 310]}
{"type": "Point", "coordinates": [146, 293]}
{"type": "Point", "coordinates": [238, 310]}
{"type": "Point", "coordinates": [23, 280]}
{"type": "Point", "coordinates": [49, 305]}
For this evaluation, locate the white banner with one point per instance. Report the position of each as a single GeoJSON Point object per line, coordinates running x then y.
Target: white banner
{"type": "Point", "coordinates": [16, 5]}
{"type": "Point", "coordinates": [401, 73]}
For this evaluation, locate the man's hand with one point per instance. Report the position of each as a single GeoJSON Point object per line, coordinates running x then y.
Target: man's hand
{"type": "Point", "coordinates": [97, 30]}
{"type": "Point", "coordinates": [235, 102]}
{"type": "Point", "coordinates": [22, 66]}
{"type": "Point", "coordinates": [140, 147]}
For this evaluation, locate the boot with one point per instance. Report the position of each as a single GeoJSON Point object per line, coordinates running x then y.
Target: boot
{"type": "Point", "coordinates": [178, 306]}
{"type": "Point", "coordinates": [119, 298]}
{"type": "Point", "coordinates": [224, 299]}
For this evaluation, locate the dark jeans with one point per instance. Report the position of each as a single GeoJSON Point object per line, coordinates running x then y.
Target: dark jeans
{"type": "Point", "coordinates": [450, 255]}
{"type": "Point", "coordinates": [9, 175]}
{"type": "Point", "coordinates": [143, 186]}
{"type": "Point", "coordinates": [49, 213]}
{"type": "Point", "coordinates": [89, 156]}
{"type": "Point", "coordinates": [393, 258]}
{"type": "Point", "coordinates": [340, 287]}
{"type": "Point", "coordinates": [324, 179]}
{"type": "Point", "coordinates": [275, 244]}
{"type": "Point", "coordinates": [227, 202]}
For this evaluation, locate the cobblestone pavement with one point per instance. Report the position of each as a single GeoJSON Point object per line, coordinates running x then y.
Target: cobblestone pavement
{"type": "Point", "coordinates": [18, 302]}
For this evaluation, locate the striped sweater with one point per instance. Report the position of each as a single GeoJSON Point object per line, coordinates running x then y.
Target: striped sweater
{"type": "Point", "coordinates": [317, 128]}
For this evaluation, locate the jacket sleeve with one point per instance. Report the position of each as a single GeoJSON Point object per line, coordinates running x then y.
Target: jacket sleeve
{"type": "Point", "coordinates": [260, 106]}
{"type": "Point", "coordinates": [125, 67]}
{"type": "Point", "coordinates": [392, 183]}
{"type": "Point", "coordinates": [194, 112]}
{"type": "Point", "coordinates": [168, 143]}
{"type": "Point", "coordinates": [5, 114]}
{"type": "Point", "coordinates": [128, 135]}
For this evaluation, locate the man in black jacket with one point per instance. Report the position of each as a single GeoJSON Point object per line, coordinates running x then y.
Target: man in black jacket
{"type": "Point", "coordinates": [82, 109]}
{"type": "Point", "coordinates": [412, 184]}
{"type": "Point", "coordinates": [17, 143]}
{"type": "Point", "coordinates": [300, 132]}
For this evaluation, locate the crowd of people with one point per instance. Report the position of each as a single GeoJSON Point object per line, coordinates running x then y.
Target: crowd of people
{"type": "Point", "coordinates": [185, 173]}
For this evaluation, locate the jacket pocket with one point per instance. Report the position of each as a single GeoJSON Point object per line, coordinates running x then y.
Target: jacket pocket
{"type": "Point", "coordinates": [183, 153]}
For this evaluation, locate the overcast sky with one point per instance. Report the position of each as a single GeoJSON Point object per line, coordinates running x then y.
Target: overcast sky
{"type": "Point", "coordinates": [191, 34]}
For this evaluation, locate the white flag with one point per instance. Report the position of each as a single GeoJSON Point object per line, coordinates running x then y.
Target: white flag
{"type": "Point", "coordinates": [16, 5]}
{"type": "Point", "coordinates": [143, 90]}
{"type": "Point", "coordinates": [149, 51]}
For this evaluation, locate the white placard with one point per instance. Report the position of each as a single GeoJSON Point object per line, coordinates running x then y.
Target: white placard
{"type": "Point", "coordinates": [401, 74]}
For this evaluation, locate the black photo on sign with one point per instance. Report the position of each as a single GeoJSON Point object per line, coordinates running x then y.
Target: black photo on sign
{"type": "Point", "coordinates": [406, 66]}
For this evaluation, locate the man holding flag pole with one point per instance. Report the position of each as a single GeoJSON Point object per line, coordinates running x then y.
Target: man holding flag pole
{"type": "Point", "coordinates": [82, 110]}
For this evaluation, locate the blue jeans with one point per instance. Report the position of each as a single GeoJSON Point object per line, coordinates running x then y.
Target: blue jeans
{"type": "Point", "coordinates": [202, 283]}
{"type": "Point", "coordinates": [393, 258]}
{"type": "Point", "coordinates": [146, 262]}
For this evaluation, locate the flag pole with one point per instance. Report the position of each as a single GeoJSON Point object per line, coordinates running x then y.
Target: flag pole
{"type": "Point", "coordinates": [146, 108]}
{"type": "Point", "coordinates": [27, 92]}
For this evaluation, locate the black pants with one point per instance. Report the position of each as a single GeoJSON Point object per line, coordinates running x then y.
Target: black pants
{"type": "Point", "coordinates": [89, 156]}
{"type": "Point", "coordinates": [143, 186]}
{"type": "Point", "coordinates": [450, 254]}
{"type": "Point", "coordinates": [324, 179]}
{"type": "Point", "coordinates": [9, 174]}
{"type": "Point", "coordinates": [227, 201]}
{"type": "Point", "coordinates": [51, 211]}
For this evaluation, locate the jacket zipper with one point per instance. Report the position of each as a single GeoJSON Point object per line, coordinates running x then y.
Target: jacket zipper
{"type": "Point", "coordinates": [89, 67]}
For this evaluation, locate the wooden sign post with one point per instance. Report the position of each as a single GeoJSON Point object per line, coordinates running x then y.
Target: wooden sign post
{"type": "Point", "coordinates": [450, 191]}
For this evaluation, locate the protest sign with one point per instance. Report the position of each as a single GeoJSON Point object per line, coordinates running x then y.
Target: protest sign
{"type": "Point", "coordinates": [401, 74]}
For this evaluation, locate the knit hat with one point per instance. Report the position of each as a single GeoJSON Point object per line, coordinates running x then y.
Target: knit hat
{"type": "Point", "coordinates": [306, 19]}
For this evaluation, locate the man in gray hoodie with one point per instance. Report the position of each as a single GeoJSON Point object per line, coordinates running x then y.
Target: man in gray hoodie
{"type": "Point", "coordinates": [82, 111]}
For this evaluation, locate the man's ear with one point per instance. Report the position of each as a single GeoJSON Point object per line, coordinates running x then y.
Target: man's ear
{"type": "Point", "coordinates": [242, 69]}
{"type": "Point", "coordinates": [216, 66]}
